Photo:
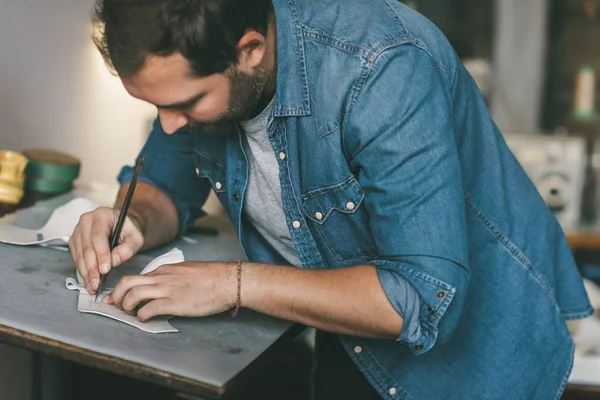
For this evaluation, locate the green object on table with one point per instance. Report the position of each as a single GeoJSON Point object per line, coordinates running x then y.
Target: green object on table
{"type": "Point", "coordinates": [50, 171]}
{"type": "Point", "coordinates": [44, 186]}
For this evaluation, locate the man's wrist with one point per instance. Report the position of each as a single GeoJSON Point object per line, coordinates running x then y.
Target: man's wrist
{"type": "Point", "coordinates": [138, 221]}
{"type": "Point", "coordinates": [237, 286]}
{"type": "Point", "coordinates": [252, 284]}
{"type": "Point", "coordinates": [229, 283]}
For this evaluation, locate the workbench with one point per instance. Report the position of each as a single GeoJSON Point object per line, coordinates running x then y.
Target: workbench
{"type": "Point", "coordinates": [208, 358]}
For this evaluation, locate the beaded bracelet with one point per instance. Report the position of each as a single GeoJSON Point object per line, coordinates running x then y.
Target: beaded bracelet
{"type": "Point", "coordinates": [239, 290]}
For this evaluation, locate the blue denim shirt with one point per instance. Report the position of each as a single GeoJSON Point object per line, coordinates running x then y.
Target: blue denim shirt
{"type": "Point", "coordinates": [393, 160]}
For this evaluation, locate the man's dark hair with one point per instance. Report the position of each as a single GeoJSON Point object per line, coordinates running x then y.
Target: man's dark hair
{"type": "Point", "coordinates": [205, 32]}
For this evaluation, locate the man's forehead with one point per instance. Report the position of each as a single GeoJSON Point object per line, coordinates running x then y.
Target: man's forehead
{"type": "Point", "coordinates": [161, 68]}
{"type": "Point", "coordinates": [167, 80]}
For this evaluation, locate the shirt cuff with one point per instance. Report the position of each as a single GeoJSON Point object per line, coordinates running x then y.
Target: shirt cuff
{"type": "Point", "coordinates": [419, 299]}
{"type": "Point", "coordinates": [185, 218]}
{"type": "Point", "coordinates": [409, 304]}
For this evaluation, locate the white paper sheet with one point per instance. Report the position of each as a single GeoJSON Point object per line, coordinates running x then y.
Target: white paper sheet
{"type": "Point", "coordinates": [57, 230]}
{"type": "Point", "coordinates": [86, 303]}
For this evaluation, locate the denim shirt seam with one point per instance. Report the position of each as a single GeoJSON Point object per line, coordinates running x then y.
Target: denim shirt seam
{"type": "Point", "coordinates": [306, 250]}
{"type": "Point", "coordinates": [289, 111]}
{"type": "Point", "coordinates": [338, 186]}
{"type": "Point", "coordinates": [319, 36]}
{"type": "Point", "coordinates": [511, 247]}
{"type": "Point", "coordinates": [332, 209]}
{"type": "Point", "coordinates": [416, 273]}
{"type": "Point", "coordinates": [368, 363]}
{"type": "Point", "coordinates": [209, 159]}
{"type": "Point", "coordinates": [237, 139]}
{"type": "Point", "coordinates": [281, 141]}
{"type": "Point", "coordinates": [423, 47]}
{"type": "Point", "coordinates": [376, 54]}
{"type": "Point", "coordinates": [579, 315]}
{"type": "Point", "coordinates": [212, 183]}
{"type": "Point", "coordinates": [301, 58]}
{"type": "Point", "coordinates": [567, 374]}
{"type": "Point", "coordinates": [395, 15]}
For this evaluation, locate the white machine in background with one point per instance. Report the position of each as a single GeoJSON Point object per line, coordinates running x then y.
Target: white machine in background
{"type": "Point", "coordinates": [557, 166]}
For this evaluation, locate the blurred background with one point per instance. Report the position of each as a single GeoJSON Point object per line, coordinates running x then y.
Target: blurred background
{"type": "Point", "coordinates": [535, 61]}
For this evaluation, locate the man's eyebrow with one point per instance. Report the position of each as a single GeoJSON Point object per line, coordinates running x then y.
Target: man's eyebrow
{"type": "Point", "coordinates": [182, 104]}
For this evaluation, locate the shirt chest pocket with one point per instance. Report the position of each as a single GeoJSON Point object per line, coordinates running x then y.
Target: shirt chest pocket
{"type": "Point", "coordinates": [339, 219]}
{"type": "Point", "coordinates": [211, 170]}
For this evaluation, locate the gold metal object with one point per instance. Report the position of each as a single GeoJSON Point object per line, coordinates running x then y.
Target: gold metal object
{"type": "Point", "coordinates": [12, 176]}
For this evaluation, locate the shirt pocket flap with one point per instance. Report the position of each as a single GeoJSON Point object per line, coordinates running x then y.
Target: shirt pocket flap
{"type": "Point", "coordinates": [208, 168]}
{"type": "Point", "coordinates": [345, 197]}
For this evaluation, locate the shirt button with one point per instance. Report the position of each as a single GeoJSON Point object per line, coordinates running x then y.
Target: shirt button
{"type": "Point", "coordinates": [282, 156]}
{"type": "Point", "coordinates": [441, 294]}
{"type": "Point", "coordinates": [419, 347]}
{"type": "Point", "coordinates": [358, 349]}
{"type": "Point", "coordinates": [197, 172]}
{"type": "Point", "coordinates": [350, 206]}
{"type": "Point", "coordinates": [319, 216]}
{"type": "Point", "coordinates": [218, 185]}
{"type": "Point", "coordinates": [236, 197]}
{"type": "Point", "coordinates": [392, 391]}
{"type": "Point", "coordinates": [296, 224]}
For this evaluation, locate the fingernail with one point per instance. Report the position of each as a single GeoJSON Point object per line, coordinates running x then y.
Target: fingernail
{"type": "Point", "coordinates": [116, 260]}
{"type": "Point", "coordinates": [106, 299]}
{"type": "Point", "coordinates": [104, 268]}
{"type": "Point", "coordinates": [93, 285]}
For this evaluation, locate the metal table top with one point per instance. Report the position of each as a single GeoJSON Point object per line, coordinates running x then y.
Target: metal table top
{"type": "Point", "coordinates": [206, 357]}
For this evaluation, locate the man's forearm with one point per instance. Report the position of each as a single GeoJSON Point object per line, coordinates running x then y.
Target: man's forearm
{"type": "Point", "coordinates": [349, 301]}
{"type": "Point", "coordinates": [153, 211]}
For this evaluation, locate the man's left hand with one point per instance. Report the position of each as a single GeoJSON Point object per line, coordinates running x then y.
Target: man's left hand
{"type": "Point", "coordinates": [188, 289]}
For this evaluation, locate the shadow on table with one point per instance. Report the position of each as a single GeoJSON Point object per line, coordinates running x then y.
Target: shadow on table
{"type": "Point", "coordinates": [286, 378]}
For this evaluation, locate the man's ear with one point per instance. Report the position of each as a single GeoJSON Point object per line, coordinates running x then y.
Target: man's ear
{"type": "Point", "coordinates": [251, 50]}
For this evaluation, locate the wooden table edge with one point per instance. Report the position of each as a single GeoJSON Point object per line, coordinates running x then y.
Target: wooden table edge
{"type": "Point", "coordinates": [29, 341]}
{"type": "Point", "coordinates": [583, 240]}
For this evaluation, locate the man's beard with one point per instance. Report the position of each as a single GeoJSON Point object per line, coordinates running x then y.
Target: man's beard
{"type": "Point", "coordinates": [246, 91]}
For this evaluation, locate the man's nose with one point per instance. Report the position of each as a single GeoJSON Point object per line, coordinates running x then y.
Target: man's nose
{"type": "Point", "coordinates": [172, 120]}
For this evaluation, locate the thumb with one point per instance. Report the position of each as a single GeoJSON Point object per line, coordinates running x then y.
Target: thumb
{"type": "Point", "coordinates": [124, 252]}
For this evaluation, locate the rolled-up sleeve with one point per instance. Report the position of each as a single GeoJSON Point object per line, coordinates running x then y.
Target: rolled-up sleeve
{"type": "Point", "coordinates": [169, 166]}
{"type": "Point", "coordinates": [400, 140]}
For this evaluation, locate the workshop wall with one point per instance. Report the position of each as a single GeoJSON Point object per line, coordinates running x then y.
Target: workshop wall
{"type": "Point", "coordinates": [56, 92]}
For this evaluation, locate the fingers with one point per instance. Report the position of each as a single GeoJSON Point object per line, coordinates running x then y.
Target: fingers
{"type": "Point", "coordinates": [100, 234]}
{"type": "Point", "coordinates": [93, 231]}
{"type": "Point", "coordinates": [122, 253]}
{"type": "Point", "coordinates": [131, 242]}
{"type": "Point", "coordinates": [77, 248]}
{"type": "Point", "coordinates": [140, 294]}
{"type": "Point", "coordinates": [77, 256]}
{"type": "Point", "coordinates": [90, 248]}
{"type": "Point", "coordinates": [93, 276]}
{"type": "Point", "coordinates": [124, 286]}
{"type": "Point", "coordinates": [155, 308]}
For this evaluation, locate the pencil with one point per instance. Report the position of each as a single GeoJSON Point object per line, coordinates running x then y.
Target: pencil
{"type": "Point", "coordinates": [114, 239]}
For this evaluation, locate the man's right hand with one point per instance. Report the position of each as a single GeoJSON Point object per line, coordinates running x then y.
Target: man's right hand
{"type": "Point", "coordinates": [90, 246]}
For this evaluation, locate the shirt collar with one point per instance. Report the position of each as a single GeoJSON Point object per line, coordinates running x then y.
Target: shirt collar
{"type": "Point", "coordinates": [292, 96]}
